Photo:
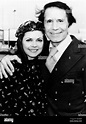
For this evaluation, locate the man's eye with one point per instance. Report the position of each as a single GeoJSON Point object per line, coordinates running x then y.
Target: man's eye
{"type": "Point", "coordinates": [49, 21]}
{"type": "Point", "coordinates": [60, 20]}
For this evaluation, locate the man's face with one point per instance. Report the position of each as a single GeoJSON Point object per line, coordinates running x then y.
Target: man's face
{"type": "Point", "coordinates": [56, 24]}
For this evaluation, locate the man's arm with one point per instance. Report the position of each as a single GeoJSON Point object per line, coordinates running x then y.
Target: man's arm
{"type": "Point", "coordinates": [6, 65]}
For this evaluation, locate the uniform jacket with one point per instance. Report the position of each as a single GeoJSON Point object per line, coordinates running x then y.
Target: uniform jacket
{"type": "Point", "coordinates": [66, 86]}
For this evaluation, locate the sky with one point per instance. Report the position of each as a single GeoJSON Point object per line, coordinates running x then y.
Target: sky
{"type": "Point", "coordinates": [15, 12]}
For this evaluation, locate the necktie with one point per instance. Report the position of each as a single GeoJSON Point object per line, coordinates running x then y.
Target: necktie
{"type": "Point", "coordinates": [51, 61]}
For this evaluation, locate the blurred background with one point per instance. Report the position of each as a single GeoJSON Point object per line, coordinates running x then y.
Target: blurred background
{"type": "Point", "coordinates": [15, 12]}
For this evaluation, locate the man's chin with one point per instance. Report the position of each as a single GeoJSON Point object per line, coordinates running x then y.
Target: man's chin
{"type": "Point", "coordinates": [56, 40]}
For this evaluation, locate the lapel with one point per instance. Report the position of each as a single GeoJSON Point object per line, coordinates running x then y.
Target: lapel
{"type": "Point", "coordinates": [69, 58]}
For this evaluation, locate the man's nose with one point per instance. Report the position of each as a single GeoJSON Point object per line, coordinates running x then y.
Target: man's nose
{"type": "Point", "coordinates": [55, 25]}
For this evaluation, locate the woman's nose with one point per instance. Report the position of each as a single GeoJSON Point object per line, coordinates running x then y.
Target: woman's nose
{"type": "Point", "coordinates": [34, 44]}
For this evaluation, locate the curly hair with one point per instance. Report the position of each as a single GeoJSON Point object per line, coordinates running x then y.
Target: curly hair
{"type": "Point", "coordinates": [58, 4]}
{"type": "Point", "coordinates": [23, 28]}
{"type": "Point", "coordinates": [28, 26]}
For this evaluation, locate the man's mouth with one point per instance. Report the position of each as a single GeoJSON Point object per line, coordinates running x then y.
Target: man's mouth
{"type": "Point", "coordinates": [57, 33]}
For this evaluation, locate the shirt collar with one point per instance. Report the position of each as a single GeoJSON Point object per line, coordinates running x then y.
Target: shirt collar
{"type": "Point", "coordinates": [64, 44]}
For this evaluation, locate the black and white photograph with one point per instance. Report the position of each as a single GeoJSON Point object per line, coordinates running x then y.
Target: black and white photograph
{"type": "Point", "coordinates": [43, 60]}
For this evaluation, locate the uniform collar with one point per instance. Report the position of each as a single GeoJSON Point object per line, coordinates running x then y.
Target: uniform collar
{"type": "Point", "coordinates": [63, 45]}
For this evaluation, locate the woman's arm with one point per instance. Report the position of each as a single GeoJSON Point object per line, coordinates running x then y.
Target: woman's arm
{"type": "Point", "coordinates": [6, 67]}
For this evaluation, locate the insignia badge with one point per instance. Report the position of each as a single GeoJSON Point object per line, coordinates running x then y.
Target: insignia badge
{"type": "Point", "coordinates": [69, 81]}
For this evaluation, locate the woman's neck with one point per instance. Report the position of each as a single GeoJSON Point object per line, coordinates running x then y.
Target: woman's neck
{"type": "Point", "coordinates": [30, 58]}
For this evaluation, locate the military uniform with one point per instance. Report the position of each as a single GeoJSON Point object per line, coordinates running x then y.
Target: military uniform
{"type": "Point", "coordinates": [66, 86]}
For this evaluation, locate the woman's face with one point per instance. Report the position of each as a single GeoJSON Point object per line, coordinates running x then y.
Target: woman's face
{"type": "Point", "coordinates": [56, 24]}
{"type": "Point", "coordinates": [32, 43]}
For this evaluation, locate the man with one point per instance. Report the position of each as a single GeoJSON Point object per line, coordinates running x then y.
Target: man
{"type": "Point", "coordinates": [66, 62]}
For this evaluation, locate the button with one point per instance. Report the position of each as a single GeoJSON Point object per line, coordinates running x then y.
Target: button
{"type": "Point", "coordinates": [82, 69]}
{"type": "Point", "coordinates": [69, 104]}
{"type": "Point", "coordinates": [55, 92]}
{"type": "Point", "coordinates": [69, 57]}
{"type": "Point", "coordinates": [55, 99]}
{"type": "Point", "coordinates": [82, 92]}
{"type": "Point", "coordinates": [42, 80]}
{"type": "Point", "coordinates": [33, 67]}
{"type": "Point", "coordinates": [62, 82]}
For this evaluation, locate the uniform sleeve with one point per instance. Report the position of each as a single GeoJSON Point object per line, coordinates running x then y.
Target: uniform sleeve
{"type": "Point", "coordinates": [84, 80]}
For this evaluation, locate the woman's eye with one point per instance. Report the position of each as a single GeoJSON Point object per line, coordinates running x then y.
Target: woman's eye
{"type": "Point", "coordinates": [29, 39]}
{"type": "Point", "coordinates": [39, 40]}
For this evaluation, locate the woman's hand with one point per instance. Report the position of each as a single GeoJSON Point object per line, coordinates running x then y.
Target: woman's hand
{"type": "Point", "coordinates": [6, 65]}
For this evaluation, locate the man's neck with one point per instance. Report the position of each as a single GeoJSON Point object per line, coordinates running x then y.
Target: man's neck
{"type": "Point", "coordinates": [58, 42]}
{"type": "Point", "coordinates": [55, 44]}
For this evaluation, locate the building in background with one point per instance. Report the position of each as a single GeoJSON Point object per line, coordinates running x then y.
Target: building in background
{"type": "Point", "coordinates": [1, 36]}
{"type": "Point", "coordinates": [15, 12]}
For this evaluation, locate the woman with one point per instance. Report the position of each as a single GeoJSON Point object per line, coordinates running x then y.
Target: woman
{"type": "Point", "coordinates": [23, 93]}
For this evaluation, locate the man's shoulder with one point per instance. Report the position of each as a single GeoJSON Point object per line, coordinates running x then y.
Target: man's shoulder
{"type": "Point", "coordinates": [75, 38]}
{"type": "Point", "coordinates": [80, 44]}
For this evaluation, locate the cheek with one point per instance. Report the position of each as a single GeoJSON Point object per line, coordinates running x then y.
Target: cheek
{"type": "Point", "coordinates": [64, 27]}
{"type": "Point", "coordinates": [26, 44]}
{"type": "Point", "coordinates": [47, 30]}
{"type": "Point", "coordinates": [46, 26]}
{"type": "Point", "coordinates": [40, 45]}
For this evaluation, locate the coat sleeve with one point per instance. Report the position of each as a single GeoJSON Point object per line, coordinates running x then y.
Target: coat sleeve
{"type": "Point", "coordinates": [84, 80]}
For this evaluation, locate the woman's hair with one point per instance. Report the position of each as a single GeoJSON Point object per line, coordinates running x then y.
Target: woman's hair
{"type": "Point", "coordinates": [60, 5]}
{"type": "Point", "coordinates": [23, 28]}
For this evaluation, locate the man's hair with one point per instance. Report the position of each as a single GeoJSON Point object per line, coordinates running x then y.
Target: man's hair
{"type": "Point", "coordinates": [59, 5]}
